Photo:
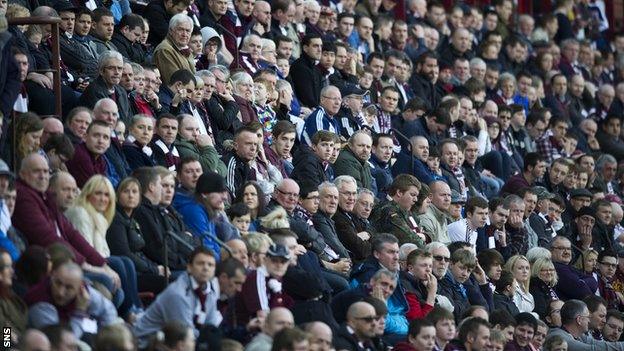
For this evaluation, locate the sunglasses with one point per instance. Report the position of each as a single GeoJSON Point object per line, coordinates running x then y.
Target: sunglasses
{"type": "Point", "coordinates": [442, 258]}
{"type": "Point", "coordinates": [368, 319]}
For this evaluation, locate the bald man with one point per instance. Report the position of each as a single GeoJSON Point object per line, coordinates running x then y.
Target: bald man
{"type": "Point", "coordinates": [278, 319]}
{"type": "Point", "coordinates": [323, 117]}
{"type": "Point", "coordinates": [66, 296]}
{"type": "Point", "coordinates": [353, 160]}
{"type": "Point", "coordinates": [51, 126]}
{"type": "Point", "coordinates": [64, 187]}
{"type": "Point", "coordinates": [34, 340]}
{"type": "Point", "coordinates": [320, 336]}
{"type": "Point", "coordinates": [238, 250]}
{"type": "Point", "coordinates": [433, 221]}
{"type": "Point", "coordinates": [359, 328]}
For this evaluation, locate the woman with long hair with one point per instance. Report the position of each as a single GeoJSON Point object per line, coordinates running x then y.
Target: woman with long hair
{"type": "Point", "coordinates": [92, 214]}
{"type": "Point", "coordinates": [252, 195]}
{"type": "Point", "coordinates": [124, 237]}
{"type": "Point", "coordinates": [543, 280]}
{"type": "Point", "coordinates": [28, 132]}
{"type": "Point", "coordinates": [586, 263]}
{"type": "Point", "coordinates": [519, 266]}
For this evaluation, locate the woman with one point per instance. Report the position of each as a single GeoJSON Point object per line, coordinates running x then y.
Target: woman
{"type": "Point", "coordinates": [251, 195]}
{"type": "Point", "coordinates": [543, 279]}
{"type": "Point", "coordinates": [586, 264]}
{"type": "Point", "coordinates": [124, 238]}
{"type": "Point", "coordinates": [28, 134]}
{"type": "Point", "coordinates": [243, 91]}
{"type": "Point", "coordinates": [92, 213]}
{"type": "Point", "coordinates": [136, 146]}
{"type": "Point", "coordinates": [519, 266]}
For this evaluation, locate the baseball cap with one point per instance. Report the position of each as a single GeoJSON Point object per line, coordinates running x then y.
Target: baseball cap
{"type": "Point", "coordinates": [279, 250]}
{"type": "Point", "coordinates": [350, 89]}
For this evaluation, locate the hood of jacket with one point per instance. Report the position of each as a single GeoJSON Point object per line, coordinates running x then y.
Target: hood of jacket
{"type": "Point", "coordinates": [208, 33]}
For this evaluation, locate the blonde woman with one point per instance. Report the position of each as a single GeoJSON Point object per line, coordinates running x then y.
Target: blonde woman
{"type": "Point", "coordinates": [586, 264]}
{"type": "Point", "coordinates": [92, 214]}
{"type": "Point", "coordinates": [543, 280]}
{"type": "Point", "coordinates": [519, 266]}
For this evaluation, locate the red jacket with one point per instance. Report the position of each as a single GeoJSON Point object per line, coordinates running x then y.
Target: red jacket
{"type": "Point", "coordinates": [38, 218]}
{"type": "Point", "coordinates": [84, 165]}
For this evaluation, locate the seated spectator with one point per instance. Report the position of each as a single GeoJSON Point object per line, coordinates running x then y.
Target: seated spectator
{"type": "Point", "coordinates": [597, 307]}
{"type": "Point", "coordinates": [385, 254]}
{"type": "Point", "coordinates": [526, 326]}
{"type": "Point", "coordinates": [126, 38]}
{"type": "Point", "coordinates": [203, 212]}
{"type": "Point", "coordinates": [312, 163]}
{"type": "Point", "coordinates": [124, 238]}
{"type": "Point", "coordinates": [476, 218]}
{"type": "Point", "coordinates": [607, 266]}
{"type": "Point", "coordinates": [608, 138]}
{"type": "Point", "coordinates": [259, 294]}
{"type": "Point", "coordinates": [175, 96]}
{"type": "Point", "coordinates": [570, 284]}
{"type": "Point", "coordinates": [420, 284]}
{"type": "Point", "coordinates": [353, 233]}
{"type": "Point", "coordinates": [433, 222]}
{"type": "Point", "coordinates": [191, 299]}
{"type": "Point", "coordinates": [533, 170]}
{"type": "Point", "coordinates": [106, 85]}
{"type": "Point", "coordinates": [395, 216]}
{"type": "Point", "coordinates": [77, 122]}
{"type": "Point", "coordinates": [328, 205]}
{"type": "Point", "coordinates": [89, 158]}
{"type": "Point", "coordinates": [173, 53]}
{"type": "Point", "coordinates": [543, 280]}
{"type": "Point", "coordinates": [278, 319]}
{"type": "Point", "coordinates": [416, 162]}
{"type": "Point", "coordinates": [473, 335]}
{"type": "Point", "coordinates": [519, 266]}
{"type": "Point", "coordinates": [380, 163]}
{"type": "Point", "coordinates": [136, 146]}
{"type": "Point", "coordinates": [91, 214]}
{"type": "Point", "coordinates": [278, 152]}
{"type": "Point", "coordinates": [612, 330]}
{"type": "Point", "coordinates": [238, 161]}
{"type": "Point", "coordinates": [102, 31]}
{"type": "Point", "coordinates": [166, 154]}
{"type": "Point", "coordinates": [323, 118]}
{"type": "Point", "coordinates": [353, 160]}
{"type": "Point", "coordinates": [15, 310]}
{"type": "Point", "coordinates": [50, 304]}
{"type": "Point", "coordinates": [421, 336]}
{"type": "Point", "coordinates": [249, 55]}
{"type": "Point", "coordinates": [58, 149]}
{"type": "Point", "coordinates": [358, 328]}
{"type": "Point", "coordinates": [190, 142]}
{"type": "Point", "coordinates": [506, 287]}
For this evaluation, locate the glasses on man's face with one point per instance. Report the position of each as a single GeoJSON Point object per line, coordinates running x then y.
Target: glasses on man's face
{"type": "Point", "coordinates": [367, 319]}
{"type": "Point", "coordinates": [295, 195]}
{"type": "Point", "coordinates": [442, 258]}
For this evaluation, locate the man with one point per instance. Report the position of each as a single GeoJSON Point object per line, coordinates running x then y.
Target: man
{"type": "Point", "coordinates": [277, 319]}
{"type": "Point", "coordinates": [432, 126]}
{"type": "Point", "coordinates": [597, 307]}
{"type": "Point", "coordinates": [64, 188]}
{"type": "Point", "coordinates": [612, 330]}
{"type": "Point", "coordinates": [89, 156]}
{"type": "Point", "coordinates": [433, 221]}
{"type": "Point", "coordinates": [426, 77]}
{"type": "Point", "coordinates": [191, 143]}
{"type": "Point", "coordinates": [362, 37]}
{"type": "Point", "coordinates": [550, 145]}
{"type": "Point", "coordinates": [474, 335]}
{"type": "Point", "coordinates": [575, 325]}
{"type": "Point", "coordinates": [606, 170]}
{"type": "Point", "coordinates": [80, 61]}
{"type": "Point", "coordinates": [608, 136]}
{"type": "Point", "coordinates": [579, 198]}
{"type": "Point", "coordinates": [532, 172]}
{"type": "Point", "coordinates": [173, 53]}
{"type": "Point", "coordinates": [328, 205]}
{"type": "Point", "coordinates": [353, 160]}
{"type": "Point", "coordinates": [263, 289]}
{"type": "Point", "coordinates": [553, 181]}
{"type": "Point", "coordinates": [216, 15]}
{"type": "Point", "coordinates": [250, 53]}
{"type": "Point", "coordinates": [238, 162]}
{"type": "Point", "coordinates": [165, 152]}
{"type": "Point", "coordinates": [127, 37]}
{"type": "Point", "coordinates": [231, 274]}
{"type": "Point", "coordinates": [571, 285]}
{"type": "Point", "coordinates": [187, 176]}
{"type": "Point", "coordinates": [102, 31]}
{"type": "Point", "coordinates": [350, 231]}
{"type": "Point", "coordinates": [493, 235]}
{"type": "Point", "coordinates": [385, 254]}
{"type": "Point", "coordinates": [380, 165]}
{"type": "Point", "coordinates": [64, 297]}
{"type": "Point", "coordinates": [106, 85]}
{"type": "Point", "coordinates": [416, 163]}
{"type": "Point", "coordinates": [61, 338]}
{"type": "Point", "coordinates": [526, 326]}
{"type": "Point", "coordinates": [278, 152]}
{"type": "Point", "coordinates": [420, 284]}
{"type": "Point", "coordinates": [460, 47]}
{"type": "Point", "coordinates": [451, 168]}
{"type": "Point", "coordinates": [305, 76]}
{"type": "Point", "coordinates": [358, 329]}
{"type": "Point", "coordinates": [395, 216]}
{"type": "Point", "coordinates": [476, 218]}
{"type": "Point", "coordinates": [320, 336]}
{"type": "Point", "coordinates": [39, 219]}
{"type": "Point", "coordinates": [76, 123]}
{"type": "Point", "coordinates": [607, 267]}
{"type": "Point", "coordinates": [323, 117]}
{"type": "Point", "coordinates": [191, 299]}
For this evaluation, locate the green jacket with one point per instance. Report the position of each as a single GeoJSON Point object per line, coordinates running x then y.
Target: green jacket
{"type": "Point", "coordinates": [207, 155]}
{"type": "Point", "coordinates": [348, 164]}
{"type": "Point", "coordinates": [391, 218]}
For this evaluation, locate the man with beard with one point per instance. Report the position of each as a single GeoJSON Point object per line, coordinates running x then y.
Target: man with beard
{"type": "Point", "coordinates": [353, 160]}
{"type": "Point", "coordinates": [612, 330]}
{"type": "Point", "coordinates": [553, 180]}
{"type": "Point", "coordinates": [426, 77]}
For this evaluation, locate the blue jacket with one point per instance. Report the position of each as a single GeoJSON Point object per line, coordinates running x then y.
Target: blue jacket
{"type": "Point", "coordinates": [197, 220]}
{"type": "Point", "coordinates": [421, 170]}
{"type": "Point", "coordinates": [382, 174]}
{"type": "Point", "coordinates": [318, 120]}
{"type": "Point", "coordinates": [396, 322]}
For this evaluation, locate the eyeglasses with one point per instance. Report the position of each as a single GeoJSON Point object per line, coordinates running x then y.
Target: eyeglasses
{"type": "Point", "coordinates": [442, 258]}
{"type": "Point", "coordinates": [295, 195]}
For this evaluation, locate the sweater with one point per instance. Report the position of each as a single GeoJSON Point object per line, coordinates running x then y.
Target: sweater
{"type": "Point", "coordinates": [93, 227]}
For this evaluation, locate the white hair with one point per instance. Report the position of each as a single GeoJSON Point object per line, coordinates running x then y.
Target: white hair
{"type": "Point", "coordinates": [179, 18]}
{"type": "Point", "coordinates": [107, 56]}
{"type": "Point", "coordinates": [344, 179]}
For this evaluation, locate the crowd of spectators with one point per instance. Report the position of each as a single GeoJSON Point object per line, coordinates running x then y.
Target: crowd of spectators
{"type": "Point", "coordinates": [294, 175]}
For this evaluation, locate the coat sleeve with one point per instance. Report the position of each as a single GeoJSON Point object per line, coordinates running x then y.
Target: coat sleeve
{"type": "Point", "coordinates": [117, 238]}
{"type": "Point", "coordinates": [304, 90]}
{"type": "Point", "coordinates": [11, 84]}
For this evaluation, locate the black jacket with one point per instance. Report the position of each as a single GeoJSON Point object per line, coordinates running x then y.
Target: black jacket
{"type": "Point", "coordinates": [155, 222]}
{"type": "Point", "coordinates": [502, 302]}
{"type": "Point", "coordinates": [308, 166]}
{"type": "Point", "coordinates": [136, 157]}
{"type": "Point", "coordinates": [542, 295]}
{"type": "Point", "coordinates": [158, 19]}
{"type": "Point", "coordinates": [124, 239]}
{"type": "Point", "coordinates": [344, 340]}
{"type": "Point", "coordinates": [306, 80]}
{"type": "Point", "coordinates": [347, 228]}
{"type": "Point", "coordinates": [325, 225]}
{"type": "Point", "coordinates": [132, 51]}
{"type": "Point", "coordinates": [78, 59]}
{"type": "Point", "coordinates": [223, 116]}
{"type": "Point", "coordinates": [98, 90]}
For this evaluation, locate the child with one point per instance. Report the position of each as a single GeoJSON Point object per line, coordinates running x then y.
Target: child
{"type": "Point", "coordinates": [444, 323]}
{"type": "Point", "coordinates": [284, 66]}
{"type": "Point", "coordinates": [240, 217]}
{"type": "Point", "coordinates": [312, 164]}
{"type": "Point", "coordinates": [433, 162]}
{"type": "Point", "coordinates": [497, 340]}
{"type": "Point", "coordinates": [505, 289]}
